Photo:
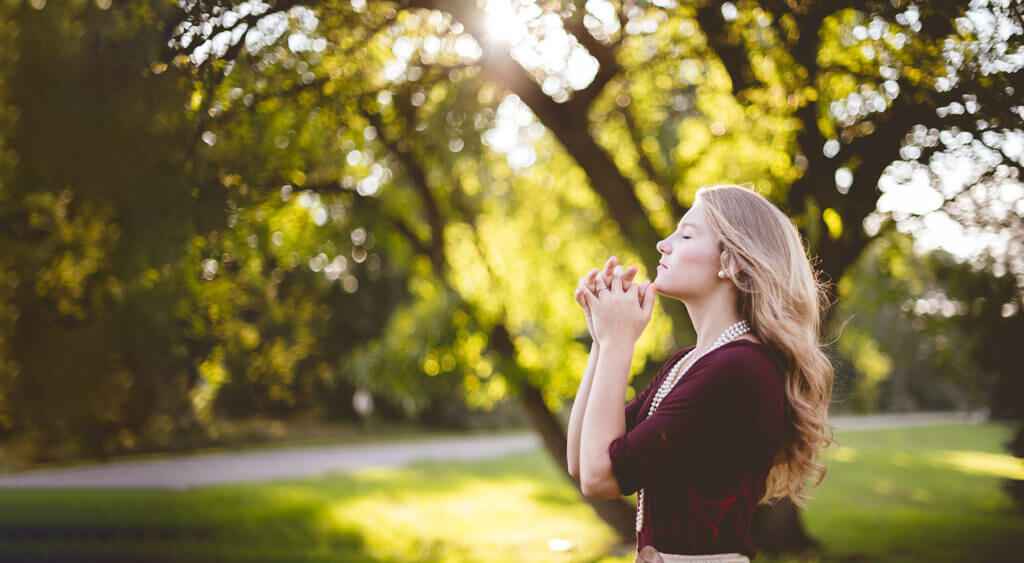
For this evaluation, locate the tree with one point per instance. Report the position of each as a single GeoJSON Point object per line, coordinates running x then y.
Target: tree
{"type": "Point", "coordinates": [916, 335]}
{"type": "Point", "coordinates": [93, 156]}
{"type": "Point", "coordinates": [133, 281]}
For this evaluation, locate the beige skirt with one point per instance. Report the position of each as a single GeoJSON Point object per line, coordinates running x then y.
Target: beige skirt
{"type": "Point", "coordinates": [648, 554]}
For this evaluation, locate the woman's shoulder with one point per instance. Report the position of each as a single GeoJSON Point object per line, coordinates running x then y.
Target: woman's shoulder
{"type": "Point", "coordinates": [743, 359]}
{"type": "Point", "coordinates": [739, 356]}
{"type": "Point", "coordinates": [744, 348]}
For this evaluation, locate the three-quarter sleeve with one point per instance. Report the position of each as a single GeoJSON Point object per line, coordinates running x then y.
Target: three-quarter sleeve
{"type": "Point", "coordinates": [692, 415]}
{"type": "Point", "coordinates": [634, 407]}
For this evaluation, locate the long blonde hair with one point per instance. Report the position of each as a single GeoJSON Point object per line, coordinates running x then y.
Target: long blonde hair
{"type": "Point", "coordinates": [782, 299]}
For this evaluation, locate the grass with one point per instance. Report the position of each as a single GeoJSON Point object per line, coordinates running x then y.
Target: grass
{"type": "Point", "coordinates": [918, 494]}
{"type": "Point", "coordinates": [914, 494]}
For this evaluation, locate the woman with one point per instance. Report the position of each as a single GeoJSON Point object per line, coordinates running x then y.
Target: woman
{"type": "Point", "coordinates": [734, 421]}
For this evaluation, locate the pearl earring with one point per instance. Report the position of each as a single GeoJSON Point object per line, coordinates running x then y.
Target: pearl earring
{"type": "Point", "coordinates": [721, 274]}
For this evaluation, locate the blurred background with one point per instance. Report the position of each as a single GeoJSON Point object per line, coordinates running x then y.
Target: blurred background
{"type": "Point", "coordinates": [238, 226]}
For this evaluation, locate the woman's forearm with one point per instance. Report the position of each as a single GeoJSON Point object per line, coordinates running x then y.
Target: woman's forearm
{"type": "Point", "coordinates": [579, 406]}
{"type": "Point", "coordinates": [605, 417]}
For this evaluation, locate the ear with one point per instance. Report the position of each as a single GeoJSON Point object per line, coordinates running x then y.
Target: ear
{"type": "Point", "coordinates": [728, 264]}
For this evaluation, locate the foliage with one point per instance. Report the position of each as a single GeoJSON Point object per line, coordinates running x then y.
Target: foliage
{"type": "Point", "coordinates": [96, 205]}
{"type": "Point", "coordinates": [926, 332]}
{"type": "Point", "coordinates": [213, 211]}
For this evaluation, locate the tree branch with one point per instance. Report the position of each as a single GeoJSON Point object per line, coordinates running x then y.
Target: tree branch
{"type": "Point", "coordinates": [570, 125]}
{"type": "Point", "coordinates": [663, 183]}
{"type": "Point", "coordinates": [418, 178]}
{"type": "Point", "coordinates": [608, 66]}
{"type": "Point", "coordinates": [727, 45]}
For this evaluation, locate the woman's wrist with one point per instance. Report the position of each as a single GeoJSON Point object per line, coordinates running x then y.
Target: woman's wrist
{"type": "Point", "coordinates": [617, 343]}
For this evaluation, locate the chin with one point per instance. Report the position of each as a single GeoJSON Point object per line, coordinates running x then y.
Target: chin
{"type": "Point", "coordinates": [659, 289]}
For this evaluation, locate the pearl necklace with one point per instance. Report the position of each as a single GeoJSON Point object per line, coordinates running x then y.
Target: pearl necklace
{"type": "Point", "coordinates": [736, 330]}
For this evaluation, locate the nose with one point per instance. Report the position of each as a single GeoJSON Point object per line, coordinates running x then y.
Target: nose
{"type": "Point", "coordinates": [660, 246]}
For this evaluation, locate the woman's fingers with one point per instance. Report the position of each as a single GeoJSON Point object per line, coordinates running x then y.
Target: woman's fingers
{"type": "Point", "coordinates": [628, 275]}
{"type": "Point", "coordinates": [597, 279]}
{"type": "Point", "coordinates": [642, 291]}
{"type": "Point", "coordinates": [617, 279]}
{"type": "Point", "coordinates": [648, 306]}
{"type": "Point", "coordinates": [624, 277]}
{"type": "Point", "coordinates": [589, 297]}
{"type": "Point", "coordinates": [609, 269]}
{"type": "Point", "coordinates": [581, 298]}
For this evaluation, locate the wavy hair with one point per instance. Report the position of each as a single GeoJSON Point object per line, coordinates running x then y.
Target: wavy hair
{"type": "Point", "coordinates": [782, 299]}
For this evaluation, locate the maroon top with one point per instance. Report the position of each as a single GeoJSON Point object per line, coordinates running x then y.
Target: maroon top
{"type": "Point", "coordinates": [703, 457]}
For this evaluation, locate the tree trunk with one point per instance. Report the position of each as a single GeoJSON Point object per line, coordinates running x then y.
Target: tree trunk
{"type": "Point", "coordinates": [617, 513]}
{"type": "Point", "coordinates": [777, 529]}
{"type": "Point", "coordinates": [1015, 487]}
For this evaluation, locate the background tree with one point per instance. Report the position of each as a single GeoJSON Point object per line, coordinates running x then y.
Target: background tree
{"type": "Point", "coordinates": [94, 210]}
{"type": "Point", "coordinates": [917, 338]}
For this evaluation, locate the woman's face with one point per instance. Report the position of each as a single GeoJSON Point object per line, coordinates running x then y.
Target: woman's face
{"type": "Point", "coordinates": [690, 258]}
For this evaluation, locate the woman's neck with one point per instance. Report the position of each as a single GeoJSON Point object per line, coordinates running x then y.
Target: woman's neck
{"type": "Point", "coordinates": [711, 318]}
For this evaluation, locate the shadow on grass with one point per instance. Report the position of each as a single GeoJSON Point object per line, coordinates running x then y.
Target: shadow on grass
{"type": "Point", "coordinates": [501, 509]}
{"type": "Point", "coordinates": [916, 494]}
{"type": "Point", "coordinates": [154, 526]}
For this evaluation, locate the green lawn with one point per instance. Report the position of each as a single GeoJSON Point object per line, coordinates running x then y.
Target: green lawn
{"type": "Point", "coordinates": [918, 494]}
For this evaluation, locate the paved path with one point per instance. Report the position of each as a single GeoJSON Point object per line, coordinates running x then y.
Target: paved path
{"type": "Point", "coordinates": [901, 420]}
{"type": "Point", "coordinates": [183, 472]}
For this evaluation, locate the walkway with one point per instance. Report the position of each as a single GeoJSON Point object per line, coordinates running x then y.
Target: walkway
{"type": "Point", "coordinates": [199, 470]}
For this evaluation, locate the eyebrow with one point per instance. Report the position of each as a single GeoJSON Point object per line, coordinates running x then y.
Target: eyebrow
{"type": "Point", "coordinates": [684, 224]}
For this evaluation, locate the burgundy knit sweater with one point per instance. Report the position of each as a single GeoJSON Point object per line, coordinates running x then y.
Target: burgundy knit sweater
{"type": "Point", "coordinates": [703, 457]}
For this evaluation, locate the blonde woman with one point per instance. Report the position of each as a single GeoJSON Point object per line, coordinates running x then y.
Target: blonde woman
{"type": "Point", "coordinates": [735, 420]}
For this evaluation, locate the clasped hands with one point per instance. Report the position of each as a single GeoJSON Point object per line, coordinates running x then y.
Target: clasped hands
{"type": "Point", "coordinates": [616, 309]}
